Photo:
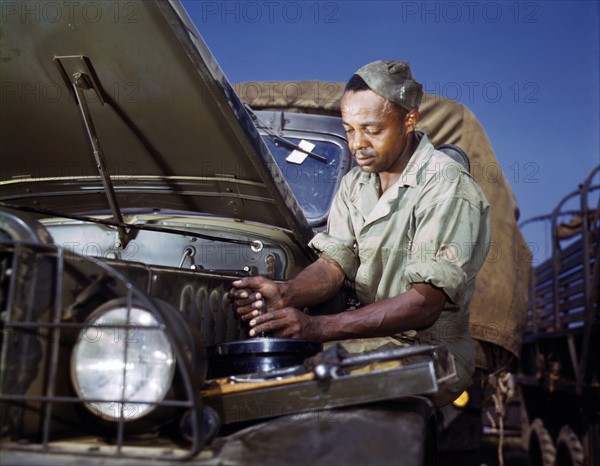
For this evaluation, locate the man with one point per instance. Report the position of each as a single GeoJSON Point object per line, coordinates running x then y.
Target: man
{"type": "Point", "coordinates": [409, 226]}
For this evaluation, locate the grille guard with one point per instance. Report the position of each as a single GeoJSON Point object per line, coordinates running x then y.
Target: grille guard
{"type": "Point", "coordinates": [37, 294]}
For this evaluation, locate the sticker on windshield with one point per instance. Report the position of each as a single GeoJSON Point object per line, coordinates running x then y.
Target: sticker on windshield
{"type": "Point", "coordinates": [297, 156]}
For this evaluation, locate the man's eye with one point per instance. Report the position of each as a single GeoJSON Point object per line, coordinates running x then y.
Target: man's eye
{"type": "Point", "coordinates": [371, 132]}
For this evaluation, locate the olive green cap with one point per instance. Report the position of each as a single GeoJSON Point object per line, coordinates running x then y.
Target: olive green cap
{"type": "Point", "coordinates": [394, 81]}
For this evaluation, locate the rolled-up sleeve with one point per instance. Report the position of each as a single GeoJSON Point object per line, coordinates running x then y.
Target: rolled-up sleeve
{"type": "Point", "coordinates": [449, 246]}
{"type": "Point", "coordinates": [338, 241]}
{"type": "Point", "coordinates": [336, 250]}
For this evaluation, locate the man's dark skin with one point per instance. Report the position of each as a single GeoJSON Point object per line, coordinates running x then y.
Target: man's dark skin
{"type": "Point", "coordinates": [381, 138]}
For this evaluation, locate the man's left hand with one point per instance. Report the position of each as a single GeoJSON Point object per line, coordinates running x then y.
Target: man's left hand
{"type": "Point", "coordinates": [288, 322]}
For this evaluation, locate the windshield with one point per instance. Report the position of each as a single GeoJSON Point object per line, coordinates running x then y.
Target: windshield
{"type": "Point", "coordinates": [313, 181]}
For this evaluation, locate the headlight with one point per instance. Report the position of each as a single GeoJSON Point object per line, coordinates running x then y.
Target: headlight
{"type": "Point", "coordinates": [121, 361]}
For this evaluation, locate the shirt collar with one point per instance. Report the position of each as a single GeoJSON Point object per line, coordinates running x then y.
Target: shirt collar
{"type": "Point", "coordinates": [417, 161]}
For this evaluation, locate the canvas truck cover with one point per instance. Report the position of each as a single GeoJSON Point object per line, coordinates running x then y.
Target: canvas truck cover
{"type": "Point", "coordinates": [498, 307]}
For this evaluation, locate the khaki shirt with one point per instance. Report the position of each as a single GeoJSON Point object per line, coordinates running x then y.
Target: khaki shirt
{"type": "Point", "coordinates": [432, 226]}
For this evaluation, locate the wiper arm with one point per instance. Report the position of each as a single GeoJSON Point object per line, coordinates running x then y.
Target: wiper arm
{"type": "Point", "coordinates": [284, 141]}
{"type": "Point", "coordinates": [291, 145]}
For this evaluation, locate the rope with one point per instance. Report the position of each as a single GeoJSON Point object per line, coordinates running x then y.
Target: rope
{"type": "Point", "coordinates": [503, 391]}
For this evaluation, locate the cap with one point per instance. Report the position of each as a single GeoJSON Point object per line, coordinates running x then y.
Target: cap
{"type": "Point", "coordinates": [394, 81]}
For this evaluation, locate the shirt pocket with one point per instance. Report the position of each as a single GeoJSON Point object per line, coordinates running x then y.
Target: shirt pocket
{"type": "Point", "coordinates": [397, 256]}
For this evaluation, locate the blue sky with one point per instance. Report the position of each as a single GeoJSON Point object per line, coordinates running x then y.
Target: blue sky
{"type": "Point", "coordinates": [529, 70]}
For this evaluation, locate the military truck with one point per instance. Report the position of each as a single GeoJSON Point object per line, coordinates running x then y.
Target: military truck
{"type": "Point", "coordinates": [135, 187]}
{"type": "Point", "coordinates": [559, 377]}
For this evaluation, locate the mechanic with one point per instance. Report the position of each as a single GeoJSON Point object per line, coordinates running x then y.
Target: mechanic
{"type": "Point", "coordinates": [409, 226]}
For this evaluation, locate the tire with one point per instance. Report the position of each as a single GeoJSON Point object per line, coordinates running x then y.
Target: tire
{"type": "Point", "coordinates": [569, 451]}
{"type": "Point", "coordinates": [540, 445]}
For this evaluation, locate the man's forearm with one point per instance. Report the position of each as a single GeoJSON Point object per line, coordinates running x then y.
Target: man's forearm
{"type": "Point", "coordinates": [315, 284]}
{"type": "Point", "coordinates": [417, 308]}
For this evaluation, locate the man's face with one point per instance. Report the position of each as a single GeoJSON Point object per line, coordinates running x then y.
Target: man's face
{"type": "Point", "coordinates": [377, 131]}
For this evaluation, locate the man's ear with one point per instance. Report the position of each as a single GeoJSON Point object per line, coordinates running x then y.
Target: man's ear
{"type": "Point", "coordinates": [411, 120]}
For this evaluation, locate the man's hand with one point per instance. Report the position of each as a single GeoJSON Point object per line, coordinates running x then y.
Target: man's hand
{"type": "Point", "coordinates": [248, 294]}
{"type": "Point", "coordinates": [289, 322]}
{"type": "Point", "coordinates": [317, 283]}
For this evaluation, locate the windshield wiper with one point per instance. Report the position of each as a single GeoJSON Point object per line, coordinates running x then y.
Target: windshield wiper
{"type": "Point", "coordinates": [286, 142]}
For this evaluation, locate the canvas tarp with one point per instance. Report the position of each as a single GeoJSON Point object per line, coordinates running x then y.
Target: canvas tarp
{"type": "Point", "coordinates": [498, 307]}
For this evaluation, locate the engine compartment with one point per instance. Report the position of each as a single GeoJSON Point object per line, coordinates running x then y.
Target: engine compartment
{"type": "Point", "coordinates": [187, 243]}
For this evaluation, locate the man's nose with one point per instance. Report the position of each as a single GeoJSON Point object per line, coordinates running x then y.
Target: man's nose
{"type": "Point", "coordinates": [358, 141]}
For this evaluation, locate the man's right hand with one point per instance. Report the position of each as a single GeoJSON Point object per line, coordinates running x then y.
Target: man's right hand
{"type": "Point", "coordinates": [248, 294]}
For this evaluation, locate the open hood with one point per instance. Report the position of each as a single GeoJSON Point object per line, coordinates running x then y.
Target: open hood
{"type": "Point", "coordinates": [136, 82]}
